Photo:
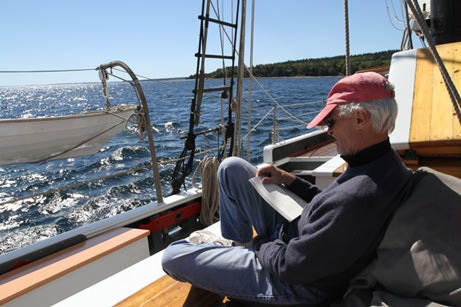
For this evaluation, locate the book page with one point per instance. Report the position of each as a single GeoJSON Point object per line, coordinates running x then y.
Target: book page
{"type": "Point", "coordinates": [284, 201]}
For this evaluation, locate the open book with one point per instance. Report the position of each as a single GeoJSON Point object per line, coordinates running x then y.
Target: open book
{"type": "Point", "coordinates": [284, 201]}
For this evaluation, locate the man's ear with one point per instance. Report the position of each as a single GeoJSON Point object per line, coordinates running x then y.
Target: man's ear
{"type": "Point", "coordinates": [362, 116]}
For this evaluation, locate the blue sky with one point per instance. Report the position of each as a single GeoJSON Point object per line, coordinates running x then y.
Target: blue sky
{"type": "Point", "coordinates": [158, 39]}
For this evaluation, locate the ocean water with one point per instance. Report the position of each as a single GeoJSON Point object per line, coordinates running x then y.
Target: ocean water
{"type": "Point", "coordinates": [27, 221]}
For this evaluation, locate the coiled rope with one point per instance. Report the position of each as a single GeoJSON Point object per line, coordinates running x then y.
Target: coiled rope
{"type": "Point", "coordinates": [138, 120]}
{"type": "Point", "coordinates": [209, 213]}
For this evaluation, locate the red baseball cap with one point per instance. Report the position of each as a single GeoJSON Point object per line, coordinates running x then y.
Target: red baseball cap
{"type": "Point", "coordinates": [358, 87]}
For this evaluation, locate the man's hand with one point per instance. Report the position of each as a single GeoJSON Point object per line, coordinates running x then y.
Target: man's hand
{"type": "Point", "coordinates": [273, 174]}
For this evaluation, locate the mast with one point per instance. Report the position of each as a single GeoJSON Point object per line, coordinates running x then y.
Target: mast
{"type": "Point", "coordinates": [250, 79]}
{"type": "Point", "coordinates": [239, 94]}
{"type": "Point", "coordinates": [444, 26]}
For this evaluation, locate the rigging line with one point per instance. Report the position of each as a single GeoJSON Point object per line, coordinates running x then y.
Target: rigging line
{"type": "Point", "coordinates": [272, 109]}
{"type": "Point", "coordinates": [404, 12]}
{"type": "Point", "coordinates": [290, 127]}
{"type": "Point", "coordinates": [270, 112]}
{"type": "Point", "coordinates": [303, 103]}
{"type": "Point", "coordinates": [396, 16]}
{"type": "Point", "coordinates": [260, 121]}
{"type": "Point", "coordinates": [253, 77]}
{"type": "Point", "coordinates": [301, 114]}
{"type": "Point", "coordinates": [161, 82]}
{"type": "Point", "coordinates": [169, 84]}
{"type": "Point", "coordinates": [296, 104]}
{"type": "Point", "coordinates": [43, 71]}
{"type": "Point", "coordinates": [120, 78]}
{"type": "Point", "coordinates": [273, 100]}
{"type": "Point", "coordinates": [346, 29]}
{"type": "Point", "coordinates": [390, 18]}
{"type": "Point", "coordinates": [409, 43]}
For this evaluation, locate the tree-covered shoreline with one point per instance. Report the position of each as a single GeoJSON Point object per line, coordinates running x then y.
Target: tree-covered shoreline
{"type": "Point", "coordinates": [319, 67]}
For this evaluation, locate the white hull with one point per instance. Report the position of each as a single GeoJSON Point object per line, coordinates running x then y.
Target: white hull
{"type": "Point", "coordinates": [41, 139]}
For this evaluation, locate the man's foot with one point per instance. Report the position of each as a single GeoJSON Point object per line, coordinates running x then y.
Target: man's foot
{"type": "Point", "coordinates": [205, 236]}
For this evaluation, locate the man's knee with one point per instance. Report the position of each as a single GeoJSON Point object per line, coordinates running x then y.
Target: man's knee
{"type": "Point", "coordinates": [229, 163]}
{"type": "Point", "coordinates": [171, 259]}
{"type": "Point", "coordinates": [233, 167]}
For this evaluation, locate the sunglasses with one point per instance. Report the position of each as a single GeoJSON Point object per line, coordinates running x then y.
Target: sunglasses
{"type": "Point", "coordinates": [329, 121]}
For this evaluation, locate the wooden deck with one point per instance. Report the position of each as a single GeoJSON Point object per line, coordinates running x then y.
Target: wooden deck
{"type": "Point", "coordinates": [325, 150]}
{"type": "Point", "coordinates": [168, 292]}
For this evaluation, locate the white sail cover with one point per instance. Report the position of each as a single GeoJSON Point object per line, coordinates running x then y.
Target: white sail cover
{"type": "Point", "coordinates": [40, 139]}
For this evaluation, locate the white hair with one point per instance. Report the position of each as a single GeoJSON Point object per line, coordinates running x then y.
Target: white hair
{"type": "Point", "coordinates": [383, 112]}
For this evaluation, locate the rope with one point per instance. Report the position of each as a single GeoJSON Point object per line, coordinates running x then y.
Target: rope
{"type": "Point", "coordinates": [103, 76]}
{"type": "Point", "coordinates": [42, 71]}
{"type": "Point", "coordinates": [407, 42]}
{"type": "Point", "coordinates": [138, 120]}
{"type": "Point", "coordinates": [393, 16]}
{"type": "Point", "coordinates": [275, 101]}
{"type": "Point", "coordinates": [209, 213]}
{"type": "Point", "coordinates": [346, 28]}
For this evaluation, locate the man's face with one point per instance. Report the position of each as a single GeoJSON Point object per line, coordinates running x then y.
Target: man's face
{"type": "Point", "coordinates": [344, 130]}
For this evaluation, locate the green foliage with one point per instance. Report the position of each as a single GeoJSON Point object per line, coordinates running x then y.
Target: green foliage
{"type": "Point", "coordinates": [329, 66]}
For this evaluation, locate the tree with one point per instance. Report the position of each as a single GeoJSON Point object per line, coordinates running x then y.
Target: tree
{"type": "Point", "coordinates": [328, 66]}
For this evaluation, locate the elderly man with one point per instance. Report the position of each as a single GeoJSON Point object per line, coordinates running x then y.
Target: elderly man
{"type": "Point", "coordinates": [310, 260]}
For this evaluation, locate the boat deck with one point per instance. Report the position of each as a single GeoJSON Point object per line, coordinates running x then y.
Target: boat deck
{"type": "Point", "coordinates": [168, 292]}
{"type": "Point", "coordinates": [325, 150]}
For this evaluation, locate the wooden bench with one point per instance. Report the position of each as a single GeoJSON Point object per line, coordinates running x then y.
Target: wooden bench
{"type": "Point", "coordinates": [62, 274]}
{"type": "Point", "coordinates": [168, 292]}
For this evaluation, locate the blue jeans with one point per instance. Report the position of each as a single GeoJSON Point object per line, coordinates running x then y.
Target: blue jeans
{"type": "Point", "coordinates": [235, 271]}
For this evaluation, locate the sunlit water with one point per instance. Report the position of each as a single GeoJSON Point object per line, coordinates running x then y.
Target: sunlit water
{"type": "Point", "coordinates": [30, 220]}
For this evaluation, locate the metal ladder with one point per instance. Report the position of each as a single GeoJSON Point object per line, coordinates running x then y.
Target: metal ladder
{"type": "Point", "coordinates": [183, 168]}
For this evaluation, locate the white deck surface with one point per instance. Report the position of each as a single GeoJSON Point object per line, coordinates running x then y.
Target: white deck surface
{"type": "Point", "coordinates": [119, 286]}
{"type": "Point", "coordinates": [402, 76]}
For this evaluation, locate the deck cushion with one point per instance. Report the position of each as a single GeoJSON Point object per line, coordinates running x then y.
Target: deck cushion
{"type": "Point", "coordinates": [419, 257]}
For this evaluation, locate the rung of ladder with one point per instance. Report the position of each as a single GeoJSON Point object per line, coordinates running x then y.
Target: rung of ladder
{"type": "Point", "coordinates": [217, 21]}
{"type": "Point", "coordinates": [213, 89]}
{"type": "Point", "coordinates": [215, 56]}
